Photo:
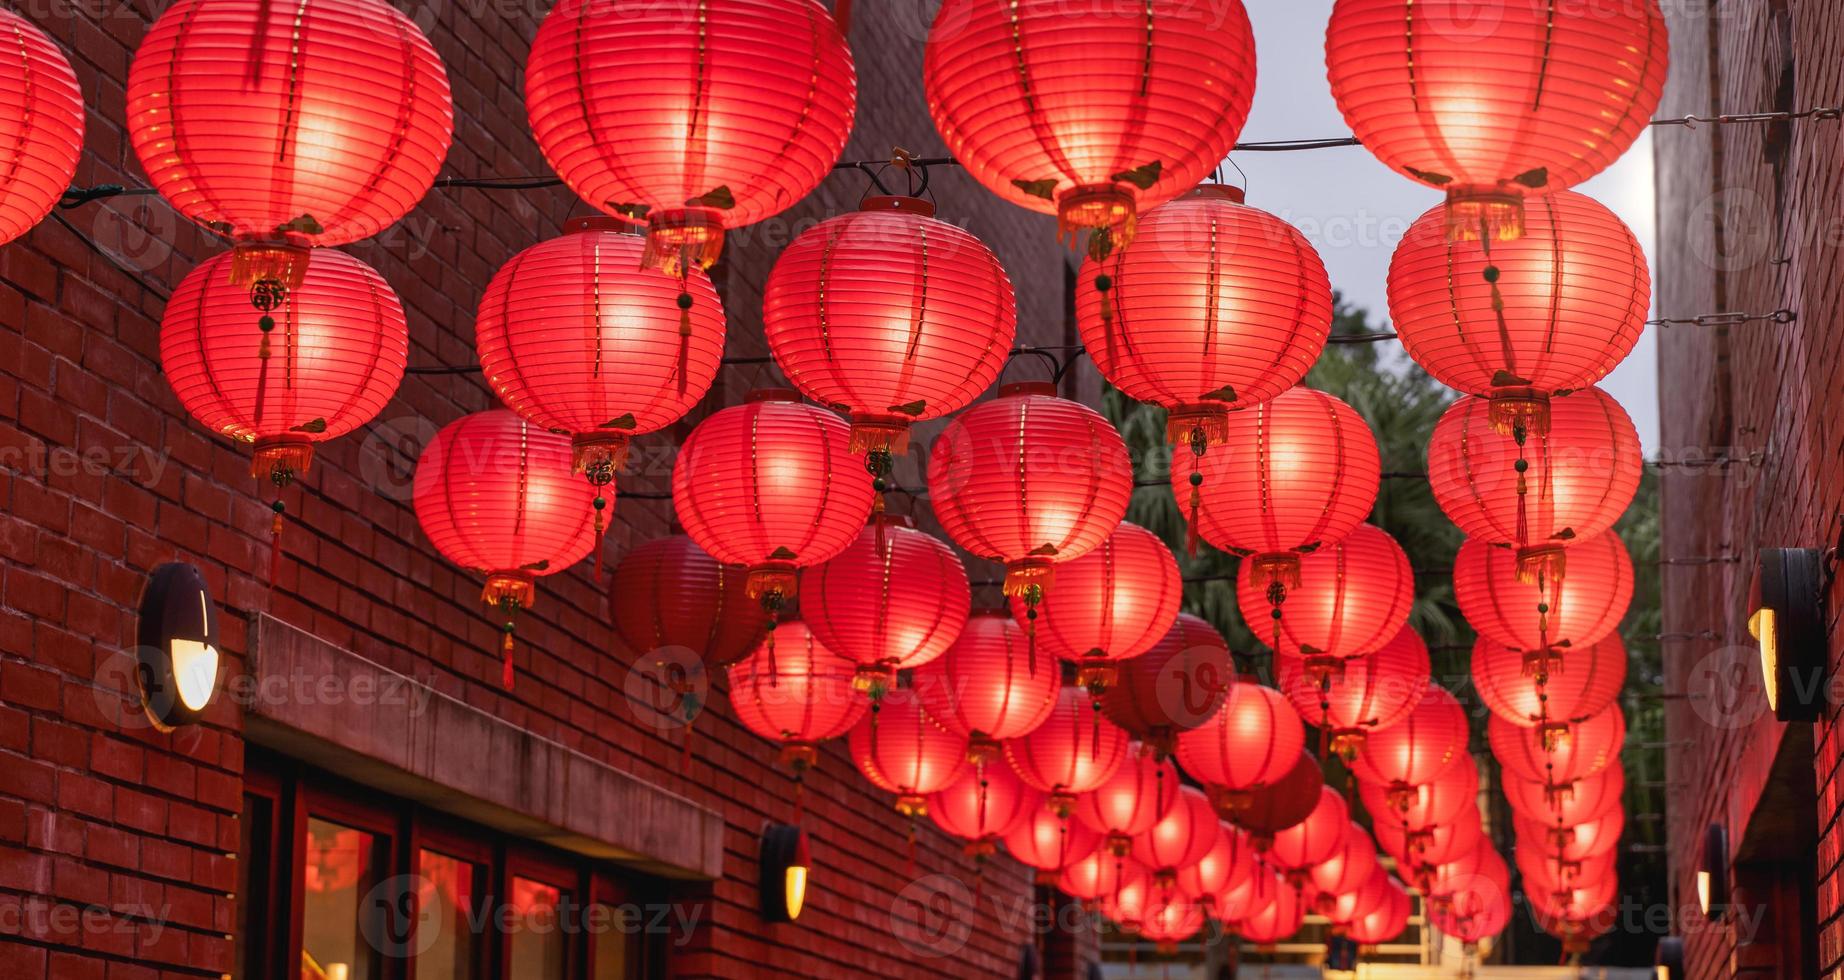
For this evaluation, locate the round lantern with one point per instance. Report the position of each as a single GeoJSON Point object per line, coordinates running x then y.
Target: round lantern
{"type": "Point", "coordinates": [1351, 598]}
{"type": "Point", "coordinates": [1498, 104]}
{"type": "Point", "coordinates": [44, 126]}
{"type": "Point", "coordinates": [1228, 863]}
{"type": "Point", "coordinates": [900, 749]}
{"type": "Point", "coordinates": [1349, 864]}
{"type": "Point", "coordinates": [692, 123]}
{"type": "Point", "coordinates": [1167, 923]}
{"type": "Point", "coordinates": [1545, 869]}
{"type": "Point", "coordinates": [1277, 915]}
{"type": "Point", "coordinates": [1253, 740]}
{"type": "Point", "coordinates": [1549, 692]}
{"type": "Point", "coordinates": [986, 686]}
{"type": "Point", "coordinates": [495, 495]}
{"type": "Point", "coordinates": [1187, 832]}
{"type": "Point", "coordinates": [1239, 899]}
{"type": "Point", "coordinates": [1454, 795]}
{"type": "Point", "coordinates": [1049, 841]}
{"type": "Point", "coordinates": [1576, 903]}
{"type": "Point", "coordinates": [1443, 881]}
{"type": "Point", "coordinates": [1110, 605]}
{"type": "Point", "coordinates": [796, 692]}
{"type": "Point", "coordinates": [1315, 839]}
{"type": "Point", "coordinates": [1343, 908]}
{"type": "Point", "coordinates": [1438, 844]}
{"type": "Point", "coordinates": [667, 593]}
{"type": "Point", "coordinates": [982, 805]}
{"type": "Point", "coordinates": [891, 317]}
{"type": "Point", "coordinates": [1570, 803]}
{"type": "Point", "coordinates": [1373, 692]}
{"type": "Point", "coordinates": [1175, 686]}
{"type": "Point", "coordinates": [769, 485]}
{"type": "Point", "coordinates": [338, 119]}
{"type": "Point", "coordinates": [1420, 749]}
{"type": "Point", "coordinates": [1295, 474]}
{"type": "Point", "coordinates": [1384, 923]}
{"type": "Point", "coordinates": [1477, 906]}
{"type": "Point", "coordinates": [1029, 480]}
{"type": "Point", "coordinates": [1139, 794]}
{"type": "Point", "coordinates": [1519, 322]}
{"type": "Point", "coordinates": [1577, 935]}
{"type": "Point", "coordinates": [1543, 489]}
{"type": "Point", "coordinates": [1219, 306]}
{"type": "Point", "coordinates": [894, 599]}
{"type": "Point", "coordinates": [1577, 843]}
{"type": "Point", "coordinates": [1540, 618]}
{"type": "Point", "coordinates": [1100, 875]}
{"type": "Point", "coordinates": [1279, 805]}
{"type": "Point", "coordinates": [1069, 754]}
{"type": "Point", "coordinates": [1163, 90]}
{"type": "Point", "coordinates": [1559, 755]}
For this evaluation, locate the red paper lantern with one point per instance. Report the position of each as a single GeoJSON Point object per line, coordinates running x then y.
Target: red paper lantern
{"type": "Point", "coordinates": [770, 485]}
{"type": "Point", "coordinates": [1343, 908]}
{"type": "Point", "coordinates": [1168, 923]}
{"type": "Point", "coordinates": [1545, 870]}
{"type": "Point", "coordinates": [1098, 112]}
{"type": "Point", "coordinates": [1522, 321]}
{"type": "Point", "coordinates": [889, 316]}
{"type": "Point", "coordinates": [1349, 865]}
{"type": "Point", "coordinates": [1139, 794]}
{"type": "Point", "coordinates": [901, 750]}
{"type": "Point", "coordinates": [1219, 306]}
{"type": "Point", "coordinates": [1478, 905]}
{"type": "Point", "coordinates": [1110, 605]}
{"type": "Point", "coordinates": [1577, 935]}
{"type": "Point", "coordinates": [1498, 104]}
{"type": "Point", "coordinates": [1463, 873]}
{"type": "Point", "coordinates": [1435, 845]}
{"type": "Point", "coordinates": [1029, 480]}
{"type": "Point", "coordinates": [1186, 833]}
{"type": "Point", "coordinates": [982, 805]}
{"type": "Point", "coordinates": [1553, 691]}
{"type": "Point", "coordinates": [1575, 903]}
{"type": "Point", "coordinates": [1253, 740]}
{"type": "Point", "coordinates": [1279, 805]}
{"type": "Point", "coordinates": [1228, 863]}
{"type": "Point", "coordinates": [1385, 922]}
{"type": "Point", "coordinates": [987, 686]}
{"type": "Point", "coordinates": [1577, 612]}
{"type": "Point", "coordinates": [1101, 874]}
{"type": "Point", "coordinates": [1296, 473]}
{"type": "Point", "coordinates": [1350, 599]}
{"type": "Point", "coordinates": [1452, 796]}
{"type": "Point", "coordinates": [693, 123]}
{"type": "Point", "coordinates": [495, 495]}
{"type": "Point", "coordinates": [1420, 749]}
{"type": "Point", "coordinates": [1559, 755]}
{"type": "Point", "coordinates": [1278, 918]}
{"type": "Point", "coordinates": [1239, 900]}
{"type": "Point", "coordinates": [1372, 693]}
{"type": "Point", "coordinates": [894, 599]}
{"type": "Point", "coordinates": [1315, 839]}
{"type": "Point", "coordinates": [1071, 753]}
{"type": "Point", "coordinates": [666, 592]}
{"type": "Point", "coordinates": [43, 127]}
{"type": "Point", "coordinates": [1175, 686]}
{"type": "Point", "coordinates": [1049, 842]}
{"type": "Point", "coordinates": [335, 126]}
{"type": "Point", "coordinates": [1573, 844]}
{"type": "Point", "coordinates": [796, 692]}
{"type": "Point", "coordinates": [1569, 803]}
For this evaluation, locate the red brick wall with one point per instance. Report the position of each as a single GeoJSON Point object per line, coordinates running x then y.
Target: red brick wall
{"type": "Point", "coordinates": [138, 827]}
{"type": "Point", "coordinates": [1748, 221]}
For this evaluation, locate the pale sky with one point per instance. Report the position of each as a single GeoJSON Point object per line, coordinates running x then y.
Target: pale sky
{"type": "Point", "coordinates": [1355, 210]}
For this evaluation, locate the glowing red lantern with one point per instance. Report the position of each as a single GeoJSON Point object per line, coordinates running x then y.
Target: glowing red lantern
{"type": "Point", "coordinates": [986, 686]}
{"type": "Point", "coordinates": [1577, 935]}
{"type": "Point", "coordinates": [1373, 692]}
{"type": "Point", "coordinates": [1277, 806]}
{"type": "Point", "coordinates": [340, 118]}
{"type": "Point", "coordinates": [1549, 692]}
{"type": "Point", "coordinates": [1163, 92]}
{"type": "Point", "coordinates": [666, 592]}
{"type": "Point", "coordinates": [1253, 740]}
{"type": "Point", "coordinates": [796, 692]}
{"type": "Point", "coordinates": [769, 485]}
{"type": "Point", "coordinates": [1139, 794]}
{"type": "Point", "coordinates": [1351, 598]}
{"type": "Point", "coordinates": [1434, 845]}
{"type": "Point", "coordinates": [694, 124]}
{"type": "Point", "coordinates": [1315, 839]}
{"type": "Point", "coordinates": [1029, 480]}
{"type": "Point", "coordinates": [894, 599]}
{"type": "Point", "coordinates": [1475, 905]}
{"type": "Point", "coordinates": [1049, 841]}
{"type": "Point", "coordinates": [1495, 105]}
{"type": "Point", "coordinates": [1239, 900]}
{"type": "Point", "coordinates": [891, 317]}
{"type": "Point", "coordinates": [982, 805]}
{"type": "Point", "coordinates": [1566, 803]}
{"type": "Point", "coordinates": [1385, 922]}
{"type": "Point", "coordinates": [1575, 903]}
{"type": "Point", "coordinates": [1559, 755]}
{"type": "Point", "coordinates": [1228, 863]}
{"type": "Point", "coordinates": [495, 495]}
{"type": "Point", "coordinates": [1545, 869]}
{"type": "Point", "coordinates": [1343, 908]}
{"type": "Point", "coordinates": [1186, 833]}
{"type": "Point", "coordinates": [1069, 754]}
{"type": "Point", "coordinates": [1110, 605]}
{"type": "Point", "coordinates": [1575, 612]}
{"type": "Point", "coordinates": [1220, 306]}
{"type": "Point", "coordinates": [1279, 917]}
{"type": "Point", "coordinates": [1449, 797]}
{"type": "Point", "coordinates": [43, 127]}
{"type": "Point", "coordinates": [1168, 923]}
{"type": "Point", "coordinates": [1176, 685]}
{"type": "Point", "coordinates": [1101, 874]}
{"type": "Point", "coordinates": [1464, 872]}
{"type": "Point", "coordinates": [1295, 474]}
{"type": "Point", "coordinates": [1577, 843]}
{"type": "Point", "coordinates": [1416, 752]}
{"type": "Point", "coordinates": [1346, 868]}
{"type": "Point", "coordinates": [901, 750]}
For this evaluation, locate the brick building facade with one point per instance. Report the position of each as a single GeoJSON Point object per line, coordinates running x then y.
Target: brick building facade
{"type": "Point", "coordinates": [119, 845]}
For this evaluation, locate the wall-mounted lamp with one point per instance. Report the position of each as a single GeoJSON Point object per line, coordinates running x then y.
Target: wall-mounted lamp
{"type": "Point", "coordinates": [1786, 616]}
{"type": "Point", "coordinates": [1668, 960]}
{"type": "Point", "coordinates": [786, 866]}
{"type": "Point", "coordinates": [177, 646]}
{"type": "Point", "coordinates": [1713, 874]}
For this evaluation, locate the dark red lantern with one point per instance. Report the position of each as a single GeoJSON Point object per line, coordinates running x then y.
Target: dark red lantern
{"type": "Point", "coordinates": [43, 129]}
{"type": "Point", "coordinates": [796, 692]}
{"type": "Point", "coordinates": [1228, 863]}
{"type": "Point", "coordinates": [1253, 740]}
{"type": "Point", "coordinates": [1560, 753]}
{"type": "Point", "coordinates": [1568, 803]}
{"type": "Point", "coordinates": [1313, 840]}
{"type": "Point", "coordinates": [901, 750]}
{"type": "Point", "coordinates": [1139, 794]}
{"type": "Point", "coordinates": [1373, 692]}
{"type": "Point", "coordinates": [1496, 104]}
{"type": "Point", "coordinates": [1163, 90]}
{"type": "Point", "coordinates": [1351, 598]}
{"type": "Point", "coordinates": [1349, 865]}
{"type": "Point", "coordinates": [1277, 806]}
{"type": "Point", "coordinates": [889, 316]}
{"type": "Point", "coordinates": [1049, 841]}
{"type": "Point", "coordinates": [1575, 612]}
{"type": "Point", "coordinates": [694, 122]}
{"type": "Point", "coordinates": [1186, 833]}
{"type": "Point", "coordinates": [987, 686]}
{"type": "Point", "coordinates": [1175, 686]}
{"type": "Point", "coordinates": [1385, 922]}
{"type": "Point", "coordinates": [982, 805]}
{"type": "Point", "coordinates": [667, 593]}
{"type": "Point", "coordinates": [1069, 754]}
{"type": "Point", "coordinates": [1110, 605]}
{"type": "Point", "coordinates": [1420, 749]}
{"type": "Point", "coordinates": [894, 599]}
{"type": "Point", "coordinates": [1549, 692]}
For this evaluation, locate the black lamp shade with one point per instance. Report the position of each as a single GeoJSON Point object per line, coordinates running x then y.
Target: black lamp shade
{"type": "Point", "coordinates": [1713, 874]}
{"type": "Point", "coordinates": [1786, 616]}
{"type": "Point", "coordinates": [786, 864]}
{"type": "Point", "coordinates": [177, 652]}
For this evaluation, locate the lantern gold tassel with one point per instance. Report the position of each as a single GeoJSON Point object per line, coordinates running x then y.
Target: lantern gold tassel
{"type": "Point", "coordinates": [683, 237]}
{"type": "Point", "coordinates": [1540, 564]}
{"type": "Point", "coordinates": [255, 262]}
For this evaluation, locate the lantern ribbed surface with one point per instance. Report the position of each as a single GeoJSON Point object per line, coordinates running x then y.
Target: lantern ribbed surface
{"type": "Point", "coordinates": [696, 119]}
{"type": "Point", "coordinates": [1217, 306]}
{"type": "Point", "coordinates": [1313, 840]}
{"type": "Point", "coordinates": [1176, 685]}
{"type": "Point", "coordinates": [797, 691]}
{"type": "Point", "coordinates": [770, 484]}
{"type": "Point", "coordinates": [1574, 290]}
{"type": "Point", "coordinates": [889, 316]}
{"type": "Point", "coordinates": [1228, 864]}
{"type": "Point", "coordinates": [899, 748]}
{"type": "Point", "coordinates": [41, 126]}
{"type": "Point", "coordinates": [1280, 804]}
{"type": "Point", "coordinates": [1030, 480]}
{"type": "Point", "coordinates": [318, 123]}
{"type": "Point", "coordinates": [1295, 472]}
{"type": "Point", "coordinates": [1571, 685]}
{"type": "Point", "coordinates": [983, 803]}
{"type": "Point", "coordinates": [1111, 604]}
{"type": "Point", "coordinates": [666, 592]}
{"type": "Point", "coordinates": [1049, 843]}
{"type": "Point", "coordinates": [1584, 607]}
{"type": "Point", "coordinates": [894, 599]}
{"type": "Point", "coordinates": [336, 354]}
{"type": "Point", "coordinates": [1254, 739]}
{"type": "Point", "coordinates": [1139, 794]}
{"type": "Point", "coordinates": [1183, 836]}
{"type": "Point", "coordinates": [1451, 796]}
{"type": "Point", "coordinates": [1434, 845]}
{"type": "Point", "coordinates": [1384, 923]}
{"type": "Point", "coordinates": [1373, 692]}
{"type": "Point", "coordinates": [1071, 753]}
{"type": "Point", "coordinates": [1566, 804]}
{"type": "Point", "coordinates": [1351, 598]}
{"type": "Point", "coordinates": [1496, 103]}
{"type": "Point", "coordinates": [1100, 875]}
{"type": "Point", "coordinates": [986, 685]}
{"type": "Point", "coordinates": [1589, 746]}
{"type": "Point", "coordinates": [1421, 747]}
{"type": "Point", "coordinates": [1576, 843]}
{"type": "Point", "coordinates": [1092, 112]}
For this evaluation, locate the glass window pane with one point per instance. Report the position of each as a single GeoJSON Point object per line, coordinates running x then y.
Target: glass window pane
{"type": "Point", "coordinates": [445, 940]}
{"type": "Point", "coordinates": [340, 868]}
{"type": "Point", "coordinates": [537, 943]}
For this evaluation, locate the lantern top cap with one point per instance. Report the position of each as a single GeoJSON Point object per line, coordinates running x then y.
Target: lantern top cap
{"type": "Point", "coordinates": [598, 222]}
{"type": "Point", "coordinates": [898, 202]}
{"type": "Point", "coordinates": [1220, 192]}
{"type": "Point", "coordinates": [773, 395]}
{"type": "Point", "coordinates": [1019, 389]}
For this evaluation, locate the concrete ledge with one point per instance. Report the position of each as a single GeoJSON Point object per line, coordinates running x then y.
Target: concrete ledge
{"type": "Point", "coordinates": [407, 739]}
